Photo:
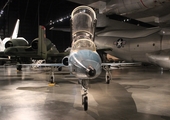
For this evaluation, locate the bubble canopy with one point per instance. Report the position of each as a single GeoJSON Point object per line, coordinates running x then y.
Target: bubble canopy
{"type": "Point", "coordinates": [84, 44]}
{"type": "Point", "coordinates": [83, 23]}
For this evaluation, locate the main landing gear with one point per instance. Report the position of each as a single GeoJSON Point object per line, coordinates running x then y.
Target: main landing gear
{"type": "Point", "coordinates": [52, 78]}
{"type": "Point", "coordinates": [19, 66]}
{"type": "Point", "coordinates": [59, 68]}
{"type": "Point", "coordinates": [85, 84]}
{"type": "Point", "coordinates": [108, 75]}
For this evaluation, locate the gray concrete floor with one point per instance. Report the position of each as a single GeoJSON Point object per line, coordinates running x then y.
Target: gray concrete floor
{"type": "Point", "coordinates": [135, 93]}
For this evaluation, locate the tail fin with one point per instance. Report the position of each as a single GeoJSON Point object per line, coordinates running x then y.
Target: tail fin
{"type": "Point", "coordinates": [42, 48]}
{"type": "Point", "coordinates": [15, 32]}
{"type": "Point", "coordinates": [2, 47]}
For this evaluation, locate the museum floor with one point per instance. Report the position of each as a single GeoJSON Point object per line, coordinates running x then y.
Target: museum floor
{"type": "Point", "coordinates": [134, 93]}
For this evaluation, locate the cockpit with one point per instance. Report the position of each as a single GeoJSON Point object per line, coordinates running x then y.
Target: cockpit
{"type": "Point", "coordinates": [84, 44]}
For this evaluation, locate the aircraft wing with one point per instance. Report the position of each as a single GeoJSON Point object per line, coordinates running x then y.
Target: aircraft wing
{"type": "Point", "coordinates": [6, 59]}
{"type": "Point", "coordinates": [119, 64]}
{"type": "Point", "coordinates": [125, 33]}
{"type": "Point", "coordinates": [46, 64]}
{"type": "Point", "coordinates": [156, 13]}
{"type": "Point", "coordinates": [159, 15]}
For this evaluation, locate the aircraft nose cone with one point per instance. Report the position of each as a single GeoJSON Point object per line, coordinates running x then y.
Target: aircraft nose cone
{"type": "Point", "coordinates": [10, 51]}
{"type": "Point", "coordinates": [91, 72]}
{"type": "Point", "coordinates": [87, 62]}
{"type": "Point", "coordinates": [7, 51]}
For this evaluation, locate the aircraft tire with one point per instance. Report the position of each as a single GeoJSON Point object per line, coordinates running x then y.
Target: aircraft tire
{"type": "Point", "coordinates": [51, 79]}
{"type": "Point", "coordinates": [19, 67]}
{"type": "Point", "coordinates": [85, 102]}
{"type": "Point", "coordinates": [60, 69]}
{"type": "Point", "coordinates": [107, 81]}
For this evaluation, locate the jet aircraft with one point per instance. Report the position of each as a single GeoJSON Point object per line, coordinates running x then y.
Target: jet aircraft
{"type": "Point", "coordinates": [38, 50]}
{"type": "Point", "coordinates": [3, 42]}
{"type": "Point", "coordinates": [14, 36]}
{"type": "Point", "coordinates": [83, 60]}
{"type": "Point", "coordinates": [134, 43]}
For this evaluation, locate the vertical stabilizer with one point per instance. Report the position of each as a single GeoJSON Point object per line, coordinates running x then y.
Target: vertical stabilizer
{"type": "Point", "coordinates": [15, 32]}
{"type": "Point", "coordinates": [2, 47]}
{"type": "Point", "coordinates": [42, 49]}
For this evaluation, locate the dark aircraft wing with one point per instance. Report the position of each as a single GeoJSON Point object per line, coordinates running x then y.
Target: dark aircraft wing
{"type": "Point", "coordinates": [155, 13]}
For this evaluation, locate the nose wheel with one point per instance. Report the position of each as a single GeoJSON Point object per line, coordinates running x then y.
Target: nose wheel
{"type": "Point", "coordinates": [85, 102]}
{"type": "Point", "coordinates": [52, 78]}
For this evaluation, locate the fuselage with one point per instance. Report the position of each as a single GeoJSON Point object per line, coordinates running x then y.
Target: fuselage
{"type": "Point", "coordinates": [21, 51]}
{"type": "Point", "coordinates": [83, 59]}
{"type": "Point", "coordinates": [145, 49]}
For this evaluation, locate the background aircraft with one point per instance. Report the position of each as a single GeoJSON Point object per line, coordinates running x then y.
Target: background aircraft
{"type": "Point", "coordinates": [147, 46]}
{"type": "Point", "coordinates": [83, 60]}
{"type": "Point", "coordinates": [38, 50]}
{"type": "Point", "coordinates": [15, 37]}
{"type": "Point", "coordinates": [145, 41]}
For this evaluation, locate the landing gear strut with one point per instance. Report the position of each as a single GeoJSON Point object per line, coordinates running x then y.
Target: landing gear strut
{"type": "Point", "coordinates": [85, 84]}
{"type": "Point", "coordinates": [108, 75]}
{"type": "Point", "coordinates": [18, 65]}
{"type": "Point", "coordinates": [52, 78]}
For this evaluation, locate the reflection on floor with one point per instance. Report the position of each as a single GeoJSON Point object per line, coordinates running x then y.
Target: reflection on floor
{"type": "Point", "coordinates": [135, 93]}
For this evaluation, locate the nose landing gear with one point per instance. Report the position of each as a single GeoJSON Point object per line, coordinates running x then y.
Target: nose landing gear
{"type": "Point", "coordinates": [85, 84]}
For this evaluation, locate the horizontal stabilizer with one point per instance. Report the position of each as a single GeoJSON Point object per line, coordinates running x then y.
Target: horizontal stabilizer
{"type": "Point", "coordinates": [47, 65]}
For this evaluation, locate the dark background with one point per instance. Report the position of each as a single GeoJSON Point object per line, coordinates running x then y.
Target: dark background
{"type": "Point", "coordinates": [37, 12]}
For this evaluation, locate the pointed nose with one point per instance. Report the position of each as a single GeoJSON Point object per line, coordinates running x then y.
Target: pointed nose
{"type": "Point", "coordinates": [10, 51]}
{"type": "Point", "coordinates": [91, 72]}
{"type": "Point", "coordinates": [88, 61]}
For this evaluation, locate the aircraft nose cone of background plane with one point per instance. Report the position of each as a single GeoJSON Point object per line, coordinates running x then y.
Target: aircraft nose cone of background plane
{"type": "Point", "coordinates": [10, 51]}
